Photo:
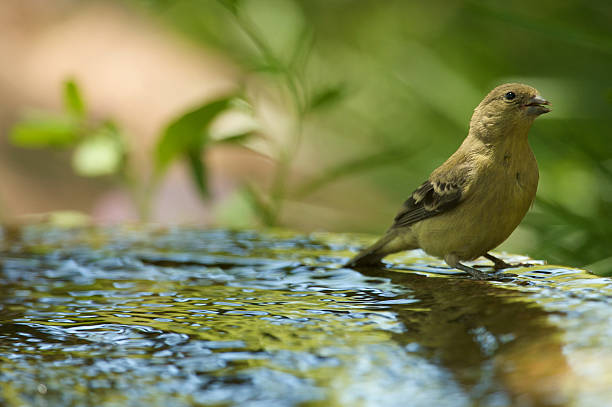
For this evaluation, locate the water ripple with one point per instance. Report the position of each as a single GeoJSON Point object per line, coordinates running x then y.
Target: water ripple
{"type": "Point", "coordinates": [186, 317]}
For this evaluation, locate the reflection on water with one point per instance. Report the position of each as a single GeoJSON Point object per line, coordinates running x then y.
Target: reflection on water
{"type": "Point", "coordinates": [182, 317]}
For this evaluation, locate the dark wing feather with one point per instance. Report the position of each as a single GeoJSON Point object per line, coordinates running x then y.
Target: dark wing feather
{"type": "Point", "coordinates": [430, 199]}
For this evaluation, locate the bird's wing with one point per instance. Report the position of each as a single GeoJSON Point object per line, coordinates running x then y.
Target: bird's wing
{"type": "Point", "coordinates": [430, 199]}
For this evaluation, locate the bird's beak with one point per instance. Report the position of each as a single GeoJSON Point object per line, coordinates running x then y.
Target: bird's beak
{"type": "Point", "coordinates": [536, 104]}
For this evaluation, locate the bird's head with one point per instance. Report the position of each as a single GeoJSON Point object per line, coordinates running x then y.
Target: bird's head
{"type": "Point", "coordinates": [512, 106]}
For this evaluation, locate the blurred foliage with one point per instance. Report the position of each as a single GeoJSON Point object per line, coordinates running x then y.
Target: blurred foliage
{"type": "Point", "coordinates": [72, 129]}
{"type": "Point", "coordinates": [388, 89]}
{"type": "Point", "coordinates": [402, 77]}
{"type": "Point", "coordinates": [98, 146]}
{"type": "Point", "coordinates": [187, 137]}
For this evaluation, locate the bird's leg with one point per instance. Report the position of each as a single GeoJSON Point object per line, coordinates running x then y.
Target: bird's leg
{"type": "Point", "coordinates": [498, 263]}
{"type": "Point", "coordinates": [476, 274]}
{"type": "Point", "coordinates": [453, 260]}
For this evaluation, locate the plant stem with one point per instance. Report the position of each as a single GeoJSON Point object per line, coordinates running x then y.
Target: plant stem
{"type": "Point", "coordinates": [285, 152]}
{"type": "Point", "coordinates": [141, 197]}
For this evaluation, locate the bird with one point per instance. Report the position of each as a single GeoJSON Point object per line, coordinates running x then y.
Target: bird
{"type": "Point", "coordinates": [471, 203]}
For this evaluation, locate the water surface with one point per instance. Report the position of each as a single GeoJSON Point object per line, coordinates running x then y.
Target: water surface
{"type": "Point", "coordinates": [187, 317]}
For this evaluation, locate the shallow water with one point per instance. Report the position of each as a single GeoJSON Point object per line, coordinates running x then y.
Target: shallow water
{"type": "Point", "coordinates": [185, 317]}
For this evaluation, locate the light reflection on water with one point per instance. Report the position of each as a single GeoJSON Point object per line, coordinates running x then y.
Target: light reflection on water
{"type": "Point", "coordinates": [183, 317]}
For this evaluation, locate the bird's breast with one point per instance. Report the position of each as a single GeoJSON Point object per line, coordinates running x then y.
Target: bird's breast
{"type": "Point", "coordinates": [499, 196]}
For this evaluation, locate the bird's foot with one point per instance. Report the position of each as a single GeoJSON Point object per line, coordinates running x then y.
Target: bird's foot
{"type": "Point", "coordinates": [499, 264]}
{"type": "Point", "coordinates": [475, 274]}
{"type": "Point", "coordinates": [500, 275]}
{"type": "Point", "coordinates": [479, 275]}
{"type": "Point", "coordinates": [527, 265]}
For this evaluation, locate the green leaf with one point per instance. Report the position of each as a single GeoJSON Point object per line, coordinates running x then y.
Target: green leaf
{"type": "Point", "coordinates": [236, 138]}
{"type": "Point", "coordinates": [231, 5]}
{"type": "Point", "coordinates": [42, 131]}
{"type": "Point", "coordinates": [101, 153]}
{"type": "Point", "coordinates": [302, 49]}
{"type": "Point", "coordinates": [198, 171]}
{"type": "Point", "coordinates": [269, 67]}
{"type": "Point", "coordinates": [262, 209]}
{"type": "Point", "coordinates": [327, 97]}
{"type": "Point", "coordinates": [187, 133]}
{"type": "Point", "coordinates": [73, 101]}
{"type": "Point", "coordinates": [601, 267]}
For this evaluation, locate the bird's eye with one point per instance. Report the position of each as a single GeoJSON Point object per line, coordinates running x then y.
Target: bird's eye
{"type": "Point", "coordinates": [509, 95]}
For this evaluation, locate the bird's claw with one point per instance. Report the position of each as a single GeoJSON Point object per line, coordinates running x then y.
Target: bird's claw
{"type": "Point", "coordinates": [499, 264]}
{"type": "Point", "coordinates": [497, 276]}
{"type": "Point", "coordinates": [517, 265]}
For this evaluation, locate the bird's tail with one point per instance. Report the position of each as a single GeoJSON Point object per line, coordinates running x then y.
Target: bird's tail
{"type": "Point", "coordinates": [391, 242]}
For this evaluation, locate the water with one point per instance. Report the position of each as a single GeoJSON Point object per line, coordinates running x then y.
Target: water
{"type": "Point", "coordinates": [185, 317]}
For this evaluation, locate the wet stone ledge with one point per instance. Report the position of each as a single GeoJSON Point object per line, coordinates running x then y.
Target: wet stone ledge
{"type": "Point", "coordinates": [153, 316]}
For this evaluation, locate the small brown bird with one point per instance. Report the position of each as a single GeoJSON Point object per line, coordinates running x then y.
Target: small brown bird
{"type": "Point", "coordinates": [472, 202]}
